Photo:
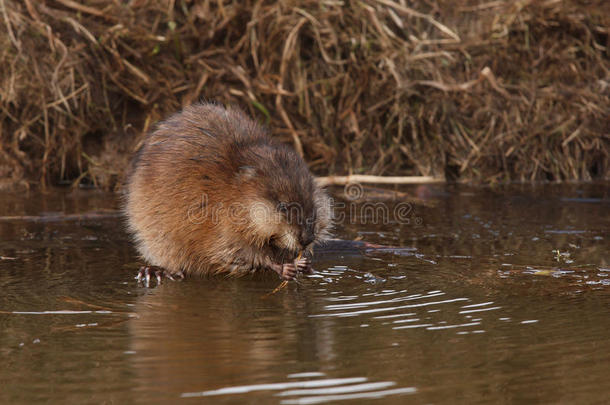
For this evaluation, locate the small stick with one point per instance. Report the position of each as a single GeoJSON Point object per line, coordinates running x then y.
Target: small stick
{"type": "Point", "coordinates": [279, 287]}
{"type": "Point", "coordinates": [283, 283]}
{"type": "Point", "coordinates": [362, 178]}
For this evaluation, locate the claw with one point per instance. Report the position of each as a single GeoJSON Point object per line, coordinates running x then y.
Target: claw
{"type": "Point", "coordinates": [146, 272]}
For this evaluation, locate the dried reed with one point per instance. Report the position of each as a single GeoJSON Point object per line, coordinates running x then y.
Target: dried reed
{"type": "Point", "coordinates": [491, 91]}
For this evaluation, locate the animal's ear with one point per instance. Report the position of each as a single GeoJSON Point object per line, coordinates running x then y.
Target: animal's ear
{"type": "Point", "coordinates": [245, 173]}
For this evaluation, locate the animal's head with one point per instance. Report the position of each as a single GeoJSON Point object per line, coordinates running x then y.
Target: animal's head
{"type": "Point", "coordinates": [287, 212]}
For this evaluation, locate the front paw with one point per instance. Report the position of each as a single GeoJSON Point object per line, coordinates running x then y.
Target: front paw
{"type": "Point", "coordinates": [304, 265]}
{"type": "Point", "coordinates": [289, 271]}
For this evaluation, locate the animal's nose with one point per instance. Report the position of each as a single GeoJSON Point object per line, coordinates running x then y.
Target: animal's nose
{"type": "Point", "coordinates": [306, 238]}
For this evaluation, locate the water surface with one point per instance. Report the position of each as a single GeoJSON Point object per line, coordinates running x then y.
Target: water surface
{"type": "Point", "coordinates": [495, 296]}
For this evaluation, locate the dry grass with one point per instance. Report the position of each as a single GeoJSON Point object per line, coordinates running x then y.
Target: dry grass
{"type": "Point", "coordinates": [479, 91]}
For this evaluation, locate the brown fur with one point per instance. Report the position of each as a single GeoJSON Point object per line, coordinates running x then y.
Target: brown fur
{"type": "Point", "coordinates": [210, 192]}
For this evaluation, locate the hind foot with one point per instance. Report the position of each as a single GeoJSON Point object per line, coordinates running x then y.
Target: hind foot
{"type": "Point", "coordinates": [147, 272]}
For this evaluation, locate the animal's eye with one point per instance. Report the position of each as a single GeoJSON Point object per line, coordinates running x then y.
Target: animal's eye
{"type": "Point", "coordinates": [282, 207]}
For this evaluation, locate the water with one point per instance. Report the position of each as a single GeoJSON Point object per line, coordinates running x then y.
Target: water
{"type": "Point", "coordinates": [496, 296]}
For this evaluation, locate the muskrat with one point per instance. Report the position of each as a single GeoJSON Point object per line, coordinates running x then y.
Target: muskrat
{"type": "Point", "coordinates": [210, 192]}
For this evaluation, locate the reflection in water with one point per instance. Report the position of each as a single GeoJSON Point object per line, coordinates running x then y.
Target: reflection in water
{"type": "Point", "coordinates": [499, 296]}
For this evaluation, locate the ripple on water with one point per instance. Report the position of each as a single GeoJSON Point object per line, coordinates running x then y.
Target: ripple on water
{"type": "Point", "coordinates": [314, 391]}
{"type": "Point", "coordinates": [433, 310]}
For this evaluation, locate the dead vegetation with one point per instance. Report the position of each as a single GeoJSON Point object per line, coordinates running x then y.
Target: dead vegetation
{"type": "Point", "coordinates": [487, 91]}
